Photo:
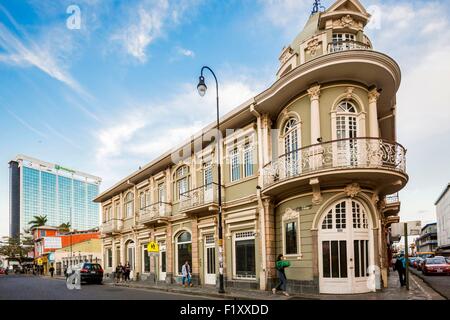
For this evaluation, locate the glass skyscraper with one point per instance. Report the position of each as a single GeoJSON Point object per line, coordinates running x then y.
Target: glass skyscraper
{"type": "Point", "coordinates": [63, 195]}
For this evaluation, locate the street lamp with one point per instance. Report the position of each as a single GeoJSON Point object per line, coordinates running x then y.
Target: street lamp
{"type": "Point", "coordinates": [201, 87]}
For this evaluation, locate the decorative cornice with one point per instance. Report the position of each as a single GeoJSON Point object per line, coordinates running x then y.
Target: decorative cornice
{"type": "Point", "coordinates": [313, 45]}
{"type": "Point", "coordinates": [373, 96]}
{"type": "Point", "coordinates": [290, 214]}
{"type": "Point", "coordinates": [352, 190]}
{"type": "Point", "coordinates": [314, 92]}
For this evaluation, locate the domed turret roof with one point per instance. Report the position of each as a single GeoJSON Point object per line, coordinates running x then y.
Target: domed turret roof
{"type": "Point", "coordinates": [310, 29]}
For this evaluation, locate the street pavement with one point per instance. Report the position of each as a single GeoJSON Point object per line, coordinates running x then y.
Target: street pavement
{"type": "Point", "coordinates": [439, 283]}
{"type": "Point", "coordinates": [29, 287]}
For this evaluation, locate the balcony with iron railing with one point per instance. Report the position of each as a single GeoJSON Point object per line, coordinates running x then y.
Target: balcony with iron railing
{"type": "Point", "coordinates": [338, 46]}
{"type": "Point", "coordinates": [154, 212]}
{"type": "Point", "coordinates": [372, 160]}
{"type": "Point", "coordinates": [204, 198]}
{"type": "Point", "coordinates": [111, 226]}
{"type": "Point", "coordinates": [392, 205]}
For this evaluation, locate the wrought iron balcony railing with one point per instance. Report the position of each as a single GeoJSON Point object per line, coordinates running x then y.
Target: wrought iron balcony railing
{"type": "Point", "coordinates": [337, 46]}
{"type": "Point", "coordinates": [154, 211]}
{"type": "Point", "coordinates": [111, 226]}
{"type": "Point", "coordinates": [204, 195]}
{"type": "Point", "coordinates": [338, 154]}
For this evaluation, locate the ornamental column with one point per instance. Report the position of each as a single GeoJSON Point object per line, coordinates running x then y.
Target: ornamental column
{"type": "Point", "coordinates": [375, 158]}
{"type": "Point", "coordinates": [314, 95]}
{"type": "Point", "coordinates": [373, 114]}
{"type": "Point", "coordinates": [315, 153]}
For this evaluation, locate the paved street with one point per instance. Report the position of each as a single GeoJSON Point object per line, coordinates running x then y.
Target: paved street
{"type": "Point", "coordinates": [23, 287]}
{"type": "Point", "coordinates": [438, 283]}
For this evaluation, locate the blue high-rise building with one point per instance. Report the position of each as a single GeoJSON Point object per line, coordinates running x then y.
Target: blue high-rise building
{"type": "Point", "coordinates": [42, 188]}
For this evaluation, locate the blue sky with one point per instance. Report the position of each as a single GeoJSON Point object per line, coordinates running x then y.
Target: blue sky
{"type": "Point", "coordinates": [98, 98]}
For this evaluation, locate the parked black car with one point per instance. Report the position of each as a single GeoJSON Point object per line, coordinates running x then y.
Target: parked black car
{"type": "Point", "coordinates": [90, 272]}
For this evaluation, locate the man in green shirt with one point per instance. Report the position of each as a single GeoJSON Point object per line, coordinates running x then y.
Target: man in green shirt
{"type": "Point", "coordinates": [280, 265]}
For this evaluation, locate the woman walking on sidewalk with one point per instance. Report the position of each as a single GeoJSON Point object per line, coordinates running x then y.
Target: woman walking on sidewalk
{"type": "Point", "coordinates": [280, 265]}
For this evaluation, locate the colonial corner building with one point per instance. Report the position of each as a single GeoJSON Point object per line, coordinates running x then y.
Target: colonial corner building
{"type": "Point", "coordinates": [311, 172]}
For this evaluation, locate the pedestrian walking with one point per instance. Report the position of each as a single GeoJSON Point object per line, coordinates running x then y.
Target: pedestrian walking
{"type": "Point", "coordinates": [118, 274]}
{"type": "Point", "coordinates": [400, 266]}
{"type": "Point", "coordinates": [280, 265]}
{"type": "Point", "coordinates": [52, 270]}
{"type": "Point", "coordinates": [186, 274]}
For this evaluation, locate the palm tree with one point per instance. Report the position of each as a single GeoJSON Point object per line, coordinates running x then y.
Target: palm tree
{"type": "Point", "coordinates": [64, 227]}
{"type": "Point", "coordinates": [38, 221]}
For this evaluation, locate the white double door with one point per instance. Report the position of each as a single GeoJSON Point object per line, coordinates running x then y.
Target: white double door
{"type": "Point", "coordinates": [346, 253]}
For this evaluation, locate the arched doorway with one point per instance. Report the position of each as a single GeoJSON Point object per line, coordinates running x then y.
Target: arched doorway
{"type": "Point", "coordinates": [183, 250]}
{"type": "Point", "coordinates": [130, 255]}
{"type": "Point", "coordinates": [345, 248]}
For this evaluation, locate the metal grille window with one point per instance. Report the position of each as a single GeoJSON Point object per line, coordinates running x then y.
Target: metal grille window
{"type": "Point", "coordinates": [235, 165]}
{"type": "Point", "coordinates": [209, 239]}
{"type": "Point", "coordinates": [248, 160]}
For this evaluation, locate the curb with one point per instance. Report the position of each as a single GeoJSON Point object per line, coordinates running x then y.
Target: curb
{"type": "Point", "coordinates": [422, 277]}
{"type": "Point", "coordinates": [194, 293]}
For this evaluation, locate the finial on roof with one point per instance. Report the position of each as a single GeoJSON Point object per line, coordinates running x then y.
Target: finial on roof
{"type": "Point", "coordinates": [317, 6]}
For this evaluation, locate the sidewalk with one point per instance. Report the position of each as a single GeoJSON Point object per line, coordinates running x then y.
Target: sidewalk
{"type": "Point", "coordinates": [418, 291]}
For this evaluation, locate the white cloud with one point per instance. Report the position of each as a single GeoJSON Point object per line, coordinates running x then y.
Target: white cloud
{"type": "Point", "coordinates": [185, 52]}
{"type": "Point", "coordinates": [155, 128]}
{"type": "Point", "coordinates": [46, 56]}
{"type": "Point", "coordinates": [153, 18]}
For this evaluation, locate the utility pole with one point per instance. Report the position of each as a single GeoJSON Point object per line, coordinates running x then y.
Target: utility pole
{"type": "Point", "coordinates": [405, 228]}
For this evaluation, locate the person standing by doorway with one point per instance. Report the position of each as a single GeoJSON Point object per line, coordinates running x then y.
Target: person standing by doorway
{"type": "Point", "coordinates": [127, 271]}
{"type": "Point", "coordinates": [280, 265]}
{"type": "Point", "coordinates": [400, 264]}
{"type": "Point", "coordinates": [186, 274]}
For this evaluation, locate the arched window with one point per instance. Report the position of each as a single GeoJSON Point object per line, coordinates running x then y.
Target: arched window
{"type": "Point", "coordinates": [291, 146]}
{"type": "Point", "coordinates": [184, 250]}
{"type": "Point", "coordinates": [346, 214]}
{"type": "Point", "coordinates": [182, 181]}
{"type": "Point", "coordinates": [129, 205]}
{"type": "Point", "coordinates": [346, 132]}
{"type": "Point", "coordinates": [346, 124]}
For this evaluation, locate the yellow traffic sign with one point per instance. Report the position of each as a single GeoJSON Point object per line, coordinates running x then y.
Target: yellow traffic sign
{"type": "Point", "coordinates": [153, 247]}
{"type": "Point", "coordinates": [40, 262]}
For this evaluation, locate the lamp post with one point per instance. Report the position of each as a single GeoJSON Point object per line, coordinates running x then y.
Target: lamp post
{"type": "Point", "coordinates": [201, 87]}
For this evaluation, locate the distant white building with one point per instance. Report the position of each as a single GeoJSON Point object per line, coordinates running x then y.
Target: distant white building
{"type": "Point", "coordinates": [443, 220]}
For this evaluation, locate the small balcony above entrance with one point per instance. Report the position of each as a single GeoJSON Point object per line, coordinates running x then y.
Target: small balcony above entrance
{"type": "Point", "coordinates": [204, 198]}
{"type": "Point", "coordinates": [155, 212]}
{"type": "Point", "coordinates": [112, 226]}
